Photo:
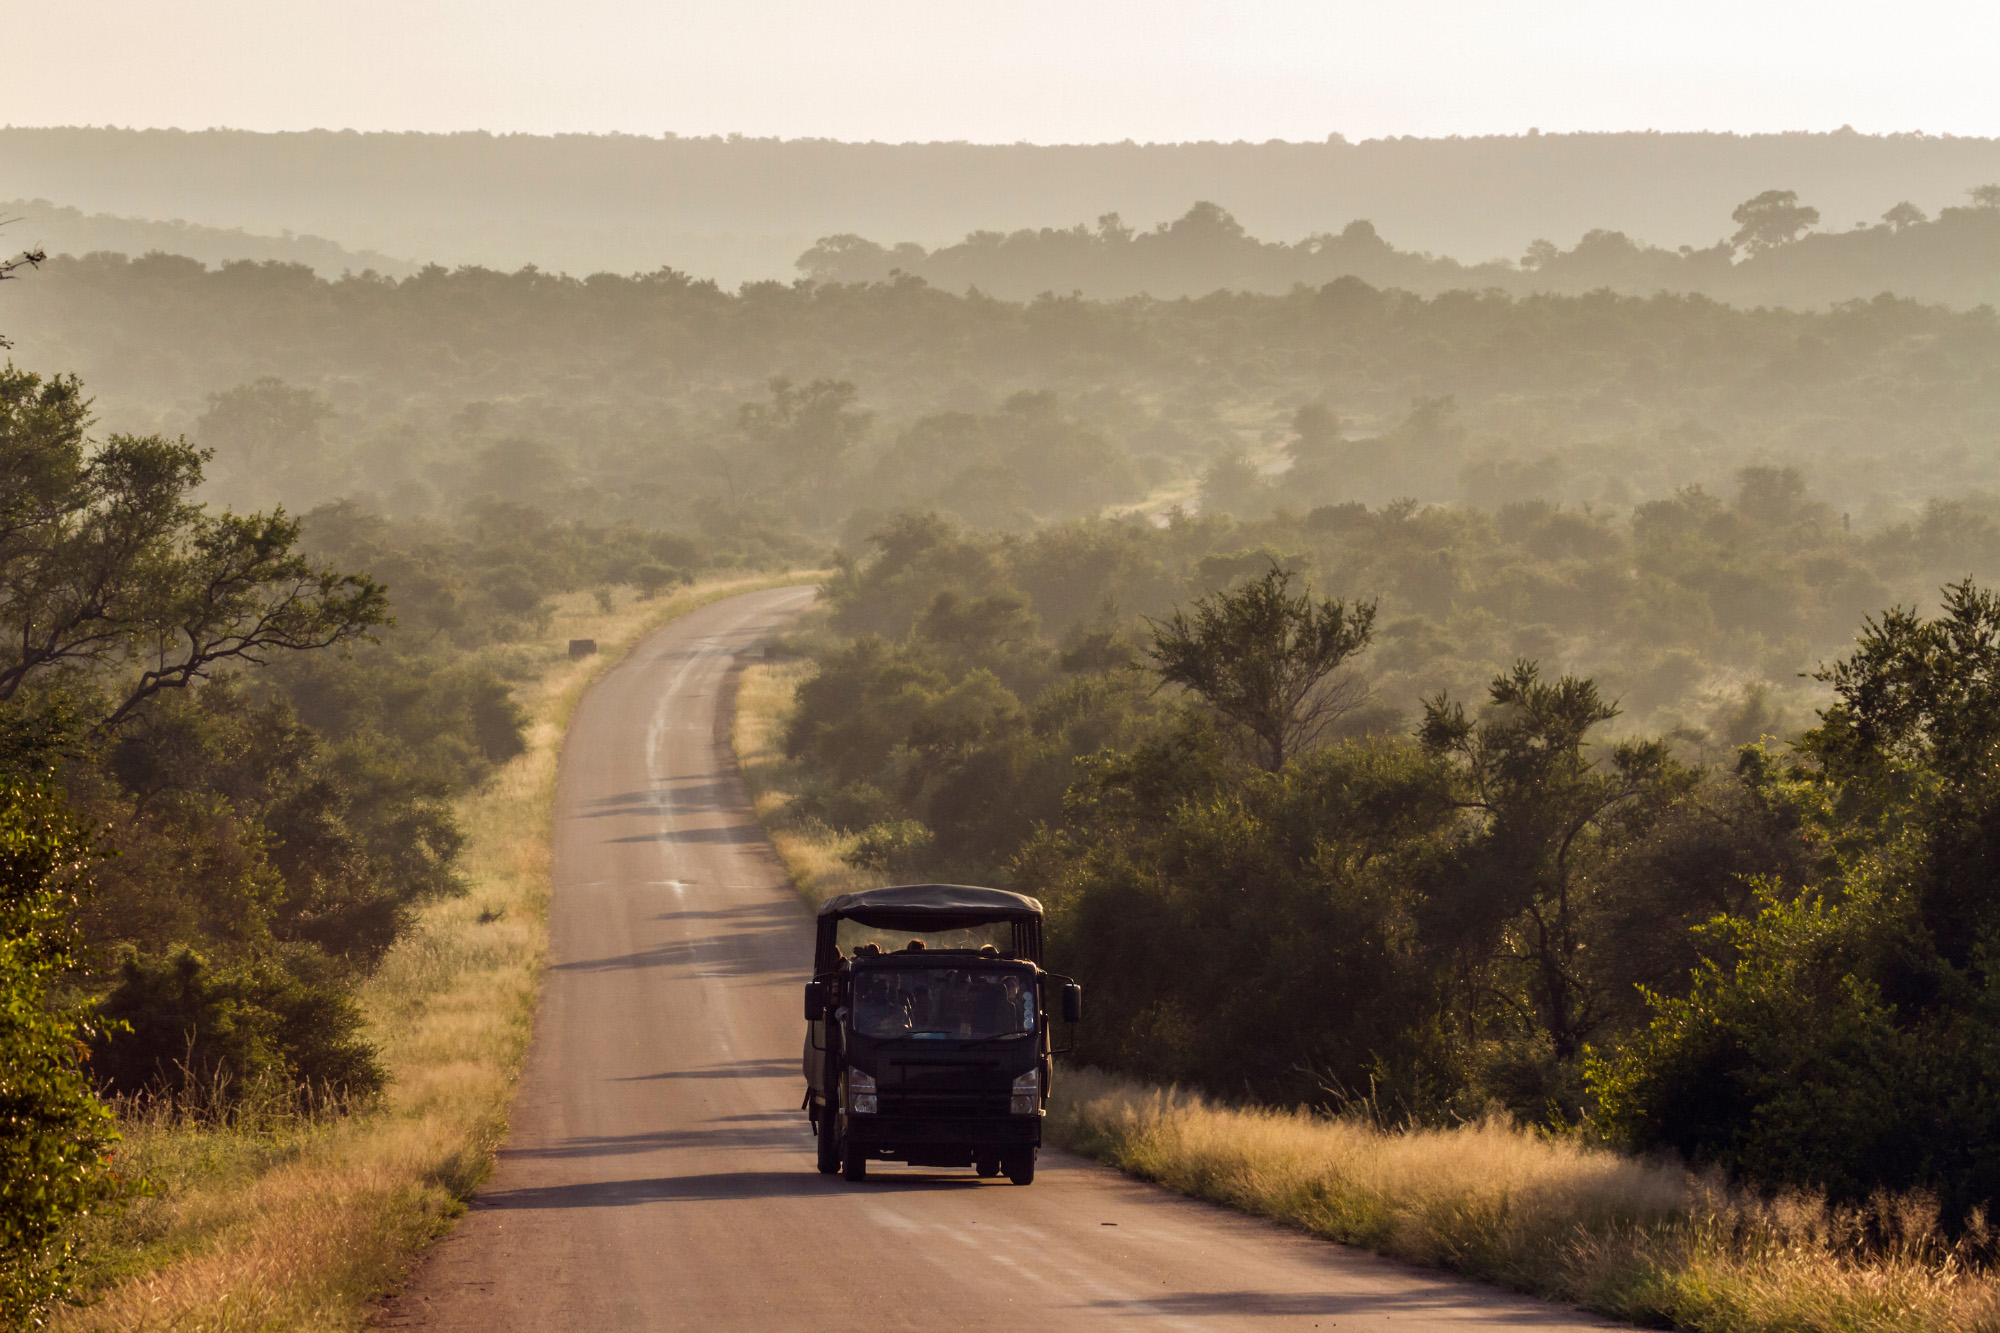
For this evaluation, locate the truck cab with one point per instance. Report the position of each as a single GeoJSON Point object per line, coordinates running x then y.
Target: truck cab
{"type": "Point", "coordinates": [927, 1030]}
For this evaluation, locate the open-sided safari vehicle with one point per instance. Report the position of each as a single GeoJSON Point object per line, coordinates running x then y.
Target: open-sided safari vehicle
{"type": "Point", "coordinates": [927, 1030]}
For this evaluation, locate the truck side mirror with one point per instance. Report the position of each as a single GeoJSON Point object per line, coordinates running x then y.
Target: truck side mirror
{"type": "Point", "coordinates": [1072, 1003]}
{"type": "Point", "coordinates": [816, 1001]}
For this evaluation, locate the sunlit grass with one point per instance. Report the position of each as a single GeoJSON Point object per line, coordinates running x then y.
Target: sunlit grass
{"type": "Point", "coordinates": [282, 1222]}
{"type": "Point", "coordinates": [810, 850]}
{"type": "Point", "coordinates": [1648, 1242]}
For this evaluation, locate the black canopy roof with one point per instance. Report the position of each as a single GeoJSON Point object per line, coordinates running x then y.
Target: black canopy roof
{"type": "Point", "coordinates": [921, 907]}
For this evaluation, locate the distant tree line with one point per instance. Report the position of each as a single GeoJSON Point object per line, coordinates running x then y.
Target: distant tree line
{"type": "Point", "coordinates": [620, 398]}
{"type": "Point", "coordinates": [1773, 256]}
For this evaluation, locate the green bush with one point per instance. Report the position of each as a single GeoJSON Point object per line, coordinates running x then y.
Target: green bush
{"type": "Point", "coordinates": [652, 579]}
{"type": "Point", "coordinates": [895, 845]}
{"type": "Point", "coordinates": [54, 1134]}
{"type": "Point", "coordinates": [1847, 1036]}
{"type": "Point", "coordinates": [208, 1038]}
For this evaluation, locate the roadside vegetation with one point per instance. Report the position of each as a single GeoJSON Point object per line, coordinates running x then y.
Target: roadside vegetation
{"type": "Point", "coordinates": [272, 840]}
{"type": "Point", "coordinates": [1553, 1215]}
{"type": "Point", "coordinates": [271, 1214]}
{"type": "Point", "coordinates": [1507, 962]}
{"type": "Point", "coordinates": [820, 859]}
{"type": "Point", "coordinates": [1557, 1213]}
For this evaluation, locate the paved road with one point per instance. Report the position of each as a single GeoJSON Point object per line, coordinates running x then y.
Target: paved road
{"type": "Point", "coordinates": [660, 1175]}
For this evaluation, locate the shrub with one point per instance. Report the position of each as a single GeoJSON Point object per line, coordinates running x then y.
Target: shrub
{"type": "Point", "coordinates": [208, 1037]}
{"type": "Point", "coordinates": [54, 1135]}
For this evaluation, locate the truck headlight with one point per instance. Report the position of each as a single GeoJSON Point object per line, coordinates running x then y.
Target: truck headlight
{"type": "Point", "coordinates": [1027, 1094]}
{"type": "Point", "coordinates": [860, 1092]}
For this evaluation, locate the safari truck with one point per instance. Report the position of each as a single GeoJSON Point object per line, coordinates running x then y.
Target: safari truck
{"type": "Point", "coordinates": [927, 1030]}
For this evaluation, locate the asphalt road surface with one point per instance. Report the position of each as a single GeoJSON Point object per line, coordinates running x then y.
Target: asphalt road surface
{"type": "Point", "coordinates": [659, 1174]}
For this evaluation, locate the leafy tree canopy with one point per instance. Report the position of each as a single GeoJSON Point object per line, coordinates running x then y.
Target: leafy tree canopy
{"type": "Point", "coordinates": [1267, 659]}
{"type": "Point", "coordinates": [116, 582]}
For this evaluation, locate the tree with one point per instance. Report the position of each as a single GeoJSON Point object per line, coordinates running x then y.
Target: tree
{"type": "Point", "coordinates": [1844, 1037]}
{"type": "Point", "coordinates": [1912, 747]}
{"type": "Point", "coordinates": [1315, 429]}
{"type": "Point", "coordinates": [26, 259]}
{"type": "Point", "coordinates": [1524, 891]}
{"type": "Point", "coordinates": [115, 580]}
{"type": "Point", "coordinates": [807, 431]}
{"type": "Point", "coordinates": [1985, 196]}
{"type": "Point", "coordinates": [54, 1134]}
{"type": "Point", "coordinates": [1905, 214]}
{"type": "Point", "coordinates": [253, 423]}
{"type": "Point", "coordinates": [1267, 660]}
{"type": "Point", "coordinates": [1232, 484]}
{"type": "Point", "coordinates": [1772, 219]}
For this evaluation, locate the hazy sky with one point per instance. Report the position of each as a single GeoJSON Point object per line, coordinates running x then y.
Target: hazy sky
{"type": "Point", "coordinates": [1038, 70]}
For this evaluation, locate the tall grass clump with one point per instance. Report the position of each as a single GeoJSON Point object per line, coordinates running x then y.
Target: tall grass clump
{"type": "Point", "coordinates": [278, 1212]}
{"type": "Point", "coordinates": [1553, 1216]}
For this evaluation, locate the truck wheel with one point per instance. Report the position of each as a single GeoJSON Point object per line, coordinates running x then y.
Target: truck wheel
{"type": "Point", "coordinates": [829, 1146]}
{"type": "Point", "coordinates": [855, 1163]}
{"type": "Point", "coordinates": [1021, 1167]}
{"type": "Point", "coordinates": [987, 1167]}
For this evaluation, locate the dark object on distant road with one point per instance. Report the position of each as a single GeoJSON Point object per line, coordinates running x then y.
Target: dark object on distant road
{"type": "Point", "coordinates": [582, 648]}
{"type": "Point", "coordinates": [936, 1054]}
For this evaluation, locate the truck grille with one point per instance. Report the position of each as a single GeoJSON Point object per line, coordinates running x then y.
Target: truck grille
{"type": "Point", "coordinates": [945, 1105]}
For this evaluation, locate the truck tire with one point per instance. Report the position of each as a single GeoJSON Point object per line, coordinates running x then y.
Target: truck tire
{"type": "Point", "coordinates": [829, 1146]}
{"type": "Point", "coordinates": [854, 1163]}
{"type": "Point", "coordinates": [1020, 1167]}
{"type": "Point", "coordinates": [987, 1167]}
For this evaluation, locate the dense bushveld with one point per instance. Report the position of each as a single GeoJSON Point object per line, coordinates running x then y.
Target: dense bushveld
{"type": "Point", "coordinates": [262, 1212]}
{"type": "Point", "coordinates": [1485, 888]}
{"type": "Point", "coordinates": [232, 775]}
{"type": "Point", "coordinates": [623, 398]}
{"type": "Point", "coordinates": [1568, 833]}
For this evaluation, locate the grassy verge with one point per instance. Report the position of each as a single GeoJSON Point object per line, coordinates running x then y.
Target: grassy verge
{"type": "Point", "coordinates": [811, 851]}
{"type": "Point", "coordinates": [1647, 1242]}
{"type": "Point", "coordinates": [274, 1222]}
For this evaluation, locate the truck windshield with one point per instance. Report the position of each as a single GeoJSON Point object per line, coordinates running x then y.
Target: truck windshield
{"type": "Point", "coordinates": [963, 1003]}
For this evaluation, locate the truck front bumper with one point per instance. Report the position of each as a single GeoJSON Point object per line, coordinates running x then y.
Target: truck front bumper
{"type": "Point", "coordinates": [973, 1133]}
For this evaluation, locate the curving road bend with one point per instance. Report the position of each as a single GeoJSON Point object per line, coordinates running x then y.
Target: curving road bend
{"type": "Point", "coordinates": [659, 1174]}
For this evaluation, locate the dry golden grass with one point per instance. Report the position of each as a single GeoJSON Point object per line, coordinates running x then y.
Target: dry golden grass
{"type": "Point", "coordinates": [1646, 1242]}
{"type": "Point", "coordinates": [810, 850]}
{"type": "Point", "coordinates": [280, 1223]}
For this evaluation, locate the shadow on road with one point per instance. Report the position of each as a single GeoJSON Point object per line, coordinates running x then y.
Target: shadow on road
{"type": "Point", "coordinates": [735, 833]}
{"type": "Point", "coordinates": [1440, 1300]}
{"type": "Point", "coordinates": [735, 954]}
{"type": "Point", "coordinates": [734, 1069]}
{"type": "Point", "coordinates": [782, 912]}
{"type": "Point", "coordinates": [794, 1135]}
{"type": "Point", "coordinates": [714, 1186]}
{"type": "Point", "coordinates": [701, 794]}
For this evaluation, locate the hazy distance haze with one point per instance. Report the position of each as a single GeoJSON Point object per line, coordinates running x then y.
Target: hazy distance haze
{"type": "Point", "coordinates": [734, 210]}
{"type": "Point", "coordinates": [1163, 70]}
